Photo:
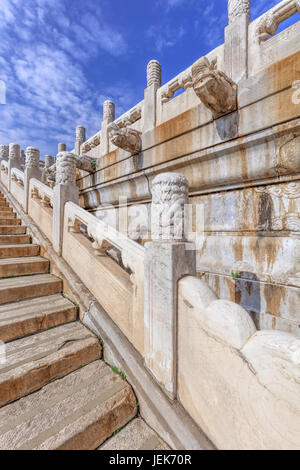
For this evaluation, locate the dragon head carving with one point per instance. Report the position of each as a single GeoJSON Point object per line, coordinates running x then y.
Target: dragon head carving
{"type": "Point", "coordinates": [125, 138]}
{"type": "Point", "coordinates": [216, 91]}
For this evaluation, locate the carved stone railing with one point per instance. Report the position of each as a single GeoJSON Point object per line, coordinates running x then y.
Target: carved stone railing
{"type": "Point", "coordinates": [105, 236]}
{"type": "Point", "coordinates": [127, 119]}
{"type": "Point", "coordinates": [18, 176]}
{"type": "Point", "coordinates": [4, 166]}
{"type": "Point", "coordinates": [41, 192]}
{"type": "Point", "coordinates": [131, 116]}
{"type": "Point", "coordinates": [183, 80]}
{"type": "Point", "coordinates": [269, 22]}
{"type": "Point", "coordinates": [91, 143]}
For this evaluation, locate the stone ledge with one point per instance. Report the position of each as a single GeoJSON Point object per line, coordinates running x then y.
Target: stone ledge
{"type": "Point", "coordinates": [169, 419]}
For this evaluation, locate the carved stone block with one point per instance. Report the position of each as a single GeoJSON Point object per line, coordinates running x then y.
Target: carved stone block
{"type": "Point", "coordinates": [169, 198]}
{"type": "Point", "coordinates": [126, 138]}
{"type": "Point", "coordinates": [216, 91]}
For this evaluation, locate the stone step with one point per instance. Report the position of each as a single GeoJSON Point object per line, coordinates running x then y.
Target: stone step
{"type": "Point", "coordinates": [8, 221]}
{"type": "Point", "coordinates": [23, 266]}
{"type": "Point", "coordinates": [17, 251]}
{"type": "Point", "coordinates": [14, 239]}
{"type": "Point", "coordinates": [7, 214]}
{"type": "Point", "coordinates": [137, 435]}
{"type": "Point", "coordinates": [19, 319]}
{"type": "Point", "coordinates": [12, 229]}
{"type": "Point", "coordinates": [21, 288]}
{"type": "Point", "coordinates": [33, 362]}
{"type": "Point", "coordinates": [78, 412]}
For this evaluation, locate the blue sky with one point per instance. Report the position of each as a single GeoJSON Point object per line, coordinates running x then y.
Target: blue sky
{"type": "Point", "coordinates": [60, 59]}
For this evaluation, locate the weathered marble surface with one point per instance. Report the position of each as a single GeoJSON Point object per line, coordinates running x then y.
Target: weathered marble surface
{"type": "Point", "coordinates": [245, 381]}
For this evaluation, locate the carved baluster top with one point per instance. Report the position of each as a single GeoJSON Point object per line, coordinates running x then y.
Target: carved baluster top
{"type": "Point", "coordinates": [4, 152]}
{"type": "Point", "coordinates": [237, 8]}
{"type": "Point", "coordinates": [66, 168]}
{"type": "Point", "coordinates": [32, 159]}
{"type": "Point", "coordinates": [169, 198]}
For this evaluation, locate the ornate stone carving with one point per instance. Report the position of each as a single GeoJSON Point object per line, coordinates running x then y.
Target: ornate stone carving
{"type": "Point", "coordinates": [133, 115]}
{"type": "Point", "coordinates": [86, 163]}
{"type": "Point", "coordinates": [126, 138]}
{"type": "Point", "coordinates": [4, 152]}
{"type": "Point", "coordinates": [66, 168]}
{"type": "Point", "coordinates": [14, 152]}
{"type": "Point", "coordinates": [216, 91]}
{"type": "Point", "coordinates": [184, 80]}
{"type": "Point", "coordinates": [269, 22]}
{"type": "Point", "coordinates": [80, 133]}
{"type": "Point", "coordinates": [169, 198]}
{"type": "Point", "coordinates": [80, 138]}
{"type": "Point", "coordinates": [48, 175]}
{"type": "Point", "coordinates": [289, 153]}
{"type": "Point", "coordinates": [285, 207]}
{"type": "Point", "coordinates": [108, 111]}
{"type": "Point", "coordinates": [91, 143]}
{"type": "Point", "coordinates": [32, 159]}
{"type": "Point", "coordinates": [237, 8]}
{"type": "Point", "coordinates": [49, 161]}
{"type": "Point", "coordinates": [154, 73]}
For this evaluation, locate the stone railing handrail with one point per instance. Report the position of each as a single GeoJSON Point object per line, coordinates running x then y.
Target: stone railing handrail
{"type": "Point", "coordinates": [128, 118]}
{"type": "Point", "coordinates": [105, 236]}
{"type": "Point", "coordinates": [4, 164]}
{"type": "Point", "coordinates": [268, 23]}
{"type": "Point", "coordinates": [183, 80]}
{"type": "Point", "coordinates": [41, 190]}
{"type": "Point", "coordinates": [92, 142]}
{"type": "Point", "coordinates": [131, 116]}
{"type": "Point", "coordinates": [19, 174]}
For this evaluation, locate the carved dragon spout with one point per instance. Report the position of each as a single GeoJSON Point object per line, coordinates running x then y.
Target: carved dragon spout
{"type": "Point", "coordinates": [216, 91]}
{"type": "Point", "coordinates": [125, 138]}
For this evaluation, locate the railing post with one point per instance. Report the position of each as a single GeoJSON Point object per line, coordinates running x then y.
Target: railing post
{"type": "Point", "coordinates": [32, 170]}
{"type": "Point", "coordinates": [108, 117]}
{"type": "Point", "coordinates": [168, 258]}
{"type": "Point", "coordinates": [65, 190]}
{"type": "Point", "coordinates": [14, 161]}
{"type": "Point", "coordinates": [4, 153]}
{"type": "Point", "coordinates": [62, 147]}
{"type": "Point", "coordinates": [22, 159]}
{"type": "Point", "coordinates": [236, 39]}
{"type": "Point", "coordinates": [153, 84]}
{"type": "Point", "coordinates": [80, 139]}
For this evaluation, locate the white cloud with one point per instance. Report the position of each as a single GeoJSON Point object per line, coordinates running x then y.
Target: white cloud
{"type": "Point", "coordinates": [6, 10]}
{"type": "Point", "coordinates": [166, 36]}
{"type": "Point", "coordinates": [42, 62]}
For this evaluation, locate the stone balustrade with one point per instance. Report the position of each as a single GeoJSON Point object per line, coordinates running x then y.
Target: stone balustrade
{"type": "Point", "coordinates": [42, 192]}
{"type": "Point", "coordinates": [239, 158]}
{"type": "Point", "coordinates": [4, 152]}
{"type": "Point", "coordinates": [4, 165]}
{"type": "Point", "coordinates": [269, 22]}
{"type": "Point", "coordinates": [18, 176]}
